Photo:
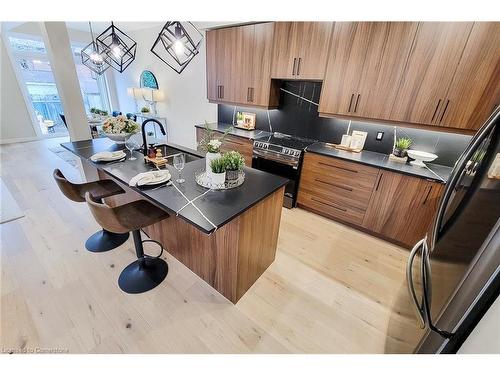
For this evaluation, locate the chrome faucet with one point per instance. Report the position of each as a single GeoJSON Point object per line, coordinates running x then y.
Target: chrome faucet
{"type": "Point", "coordinates": [143, 127]}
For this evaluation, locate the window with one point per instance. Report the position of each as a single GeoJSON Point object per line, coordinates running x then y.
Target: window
{"type": "Point", "coordinates": [94, 87]}
{"type": "Point", "coordinates": [32, 61]}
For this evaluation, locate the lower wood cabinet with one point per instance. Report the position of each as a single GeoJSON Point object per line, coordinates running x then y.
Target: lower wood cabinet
{"type": "Point", "coordinates": [395, 206]}
{"type": "Point", "coordinates": [232, 143]}
{"type": "Point", "coordinates": [402, 207]}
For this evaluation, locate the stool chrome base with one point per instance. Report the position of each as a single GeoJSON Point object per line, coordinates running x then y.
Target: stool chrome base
{"type": "Point", "coordinates": [142, 275]}
{"type": "Point", "coordinates": [104, 241]}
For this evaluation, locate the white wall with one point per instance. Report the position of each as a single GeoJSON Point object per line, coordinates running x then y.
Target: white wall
{"type": "Point", "coordinates": [185, 101]}
{"type": "Point", "coordinates": [485, 338]}
{"type": "Point", "coordinates": [15, 121]}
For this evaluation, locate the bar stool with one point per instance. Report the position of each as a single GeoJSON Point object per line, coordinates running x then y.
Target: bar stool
{"type": "Point", "coordinates": [103, 240]}
{"type": "Point", "coordinates": [146, 272]}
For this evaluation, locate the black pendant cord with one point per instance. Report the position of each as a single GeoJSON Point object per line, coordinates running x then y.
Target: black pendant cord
{"type": "Point", "coordinates": [91, 32]}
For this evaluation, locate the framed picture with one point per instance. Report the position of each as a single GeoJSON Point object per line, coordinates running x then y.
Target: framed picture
{"type": "Point", "coordinates": [248, 121]}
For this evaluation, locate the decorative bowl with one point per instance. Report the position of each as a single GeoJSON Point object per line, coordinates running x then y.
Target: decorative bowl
{"type": "Point", "coordinates": [119, 138]}
{"type": "Point", "coordinates": [420, 157]}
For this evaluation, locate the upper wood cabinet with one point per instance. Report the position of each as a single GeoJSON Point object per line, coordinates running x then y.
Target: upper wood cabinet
{"type": "Point", "coordinates": [433, 60]}
{"type": "Point", "coordinates": [402, 207]}
{"type": "Point", "coordinates": [364, 68]}
{"type": "Point", "coordinates": [475, 89]}
{"type": "Point", "coordinates": [300, 50]}
{"type": "Point", "coordinates": [239, 64]}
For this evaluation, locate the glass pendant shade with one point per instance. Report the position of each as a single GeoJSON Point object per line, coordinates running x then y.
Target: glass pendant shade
{"type": "Point", "coordinates": [116, 47]}
{"type": "Point", "coordinates": [177, 44]}
{"type": "Point", "coordinates": [92, 58]}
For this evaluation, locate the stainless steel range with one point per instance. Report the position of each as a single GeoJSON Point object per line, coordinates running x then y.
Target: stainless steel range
{"type": "Point", "coordinates": [281, 154]}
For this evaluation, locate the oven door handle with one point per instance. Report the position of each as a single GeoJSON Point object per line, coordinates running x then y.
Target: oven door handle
{"type": "Point", "coordinates": [279, 159]}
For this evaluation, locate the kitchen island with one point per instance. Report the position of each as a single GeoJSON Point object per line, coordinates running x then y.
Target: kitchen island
{"type": "Point", "coordinates": [228, 239]}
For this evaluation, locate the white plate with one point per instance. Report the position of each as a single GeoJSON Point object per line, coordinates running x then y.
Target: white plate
{"type": "Point", "coordinates": [156, 180]}
{"type": "Point", "coordinates": [115, 156]}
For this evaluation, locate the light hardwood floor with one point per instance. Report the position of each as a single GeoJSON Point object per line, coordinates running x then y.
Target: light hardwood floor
{"type": "Point", "coordinates": [331, 289]}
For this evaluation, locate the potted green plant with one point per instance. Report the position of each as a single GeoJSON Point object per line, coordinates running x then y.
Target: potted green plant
{"type": "Point", "coordinates": [234, 163]}
{"type": "Point", "coordinates": [401, 146]}
{"type": "Point", "coordinates": [211, 145]}
{"type": "Point", "coordinates": [218, 167]}
{"type": "Point", "coordinates": [144, 110]}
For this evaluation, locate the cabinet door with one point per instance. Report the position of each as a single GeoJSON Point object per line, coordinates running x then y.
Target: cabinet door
{"type": "Point", "coordinates": [243, 79]}
{"type": "Point", "coordinates": [475, 89]}
{"type": "Point", "coordinates": [226, 42]}
{"type": "Point", "coordinates": [402, 207]}
{"type": "Point", "coordinates": [389, 45]}
{"type": "Point", "coordinates": [433, 59]}
{"type": "Point", "coordinates": [212, 88]}
{"type": "Point", "coordinates": [313, 42]}
{"type": "Point", "coordinates": [347, 52]}
{"type": "Point", "coordinates": [285, 50]}
{"type": "Point", "coordinates": [259, 88]}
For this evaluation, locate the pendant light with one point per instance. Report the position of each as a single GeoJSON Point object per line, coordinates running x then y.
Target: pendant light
{"type": "Point", "coordinates": [92, 58]}
{"type": "Point", "coordinates": [177, 44]}
{"type": "Point", "coordinates": [117, 48]}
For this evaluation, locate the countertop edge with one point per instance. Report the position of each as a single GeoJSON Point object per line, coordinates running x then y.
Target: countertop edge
{"type": "Point", "coordinates": [435, 179]}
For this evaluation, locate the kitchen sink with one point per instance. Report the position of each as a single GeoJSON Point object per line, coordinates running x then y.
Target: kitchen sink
{"type": "Point", "coordinates": [170, 151]}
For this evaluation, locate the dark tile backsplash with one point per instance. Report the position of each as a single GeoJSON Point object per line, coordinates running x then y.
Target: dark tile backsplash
{"type": "Point", "coordinates": [300, 118]}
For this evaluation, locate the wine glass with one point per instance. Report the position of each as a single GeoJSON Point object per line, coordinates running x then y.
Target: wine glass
{"type": "Point", "coordinates": [132, 143]}
{"type": "Point", "coordinates": [179, 161]}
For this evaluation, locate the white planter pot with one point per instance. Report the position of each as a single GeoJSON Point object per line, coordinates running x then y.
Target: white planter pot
{"type": "Point", "coordinates": [218, 178]}
{"type": "Point", "coordinates": [208, 159]}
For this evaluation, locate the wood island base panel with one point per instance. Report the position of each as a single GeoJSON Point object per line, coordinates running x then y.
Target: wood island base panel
{"type": "Point", "coordinates": [230, 259]}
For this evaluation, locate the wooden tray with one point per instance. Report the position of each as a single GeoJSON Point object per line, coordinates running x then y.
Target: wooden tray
{"type": "Point", "coordinates": [158, 162]}
{"type": "Point", "coordinates": [340, 147]}
{"type": "Point", "coordinates": [243, 128]}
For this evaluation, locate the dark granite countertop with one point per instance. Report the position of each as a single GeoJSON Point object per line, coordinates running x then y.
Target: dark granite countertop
{"type": "Point", "coordinates": [248, 134]}
{"type": "Point", "coordinates": [219, 207]}
{"type": "Point", "coordinates": [436, 172]}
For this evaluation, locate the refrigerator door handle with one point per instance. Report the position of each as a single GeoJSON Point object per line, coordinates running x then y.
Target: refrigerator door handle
{"type": "Point", "coordinates": [427, 290]}
{"type": "Point", "coordinates": [419, 308]}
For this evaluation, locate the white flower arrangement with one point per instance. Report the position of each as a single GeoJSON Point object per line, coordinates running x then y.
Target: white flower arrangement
{"type": "Point", "coordinates": [214, 145]}
{"type": "Point", "coordinates": [120, 125]}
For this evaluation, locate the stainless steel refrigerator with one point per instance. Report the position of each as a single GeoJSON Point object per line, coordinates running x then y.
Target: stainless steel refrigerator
{"type": "Point", "coordinates": [453, 274]}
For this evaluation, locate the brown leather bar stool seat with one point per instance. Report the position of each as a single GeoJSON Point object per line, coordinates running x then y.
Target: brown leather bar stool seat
{"type": "Point", "coordinates": [146, 272]}
{"type": "Point", "coordinates": [102, 240]}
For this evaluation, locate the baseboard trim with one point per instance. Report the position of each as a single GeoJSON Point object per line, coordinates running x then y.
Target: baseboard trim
{"type": "Point", "coordinates": [17, 140]}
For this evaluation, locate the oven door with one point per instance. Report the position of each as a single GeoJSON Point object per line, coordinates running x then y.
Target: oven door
{"type": "Point", "coordinates": [284, 167]}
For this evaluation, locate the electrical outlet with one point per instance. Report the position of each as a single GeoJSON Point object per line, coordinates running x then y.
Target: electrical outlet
{"type": "Point", "coordinates": [380, 135]}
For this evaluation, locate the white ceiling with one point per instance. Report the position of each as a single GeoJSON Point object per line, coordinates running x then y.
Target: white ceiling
{"type": "Point", "coordinates": [99, 27]}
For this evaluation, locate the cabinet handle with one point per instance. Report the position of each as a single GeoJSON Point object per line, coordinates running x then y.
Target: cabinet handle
{"type": "Point", "coordinates": [298, 66]}
{"type": "Point", "coordinates": [251, 94]}
{"type": "Point", "coordinates": [222, 91]}
{"type": "Point", "coordinates": [218, 91]}
{"type": "Point", "coordinates": [329, 205]}
{"type": "Point", "coordinates": [248, 94]}
{"type": "Point", "coordinates": [356, 105]}
{"type": "Point", "coordinates": [332, 184]}
{"type": "Point", "coordinates": [445, 108]}
{"type": "Point", "coordinates": [334, 166]}
{"type": "Point", "coordinates": [350, 103]}
{"type": "Point", "coordinates": [294, 62]}
{"type": "Point", "coordinates": [435, 111]}
{"type": "Point", "coordinates": [378, 183]}
{"type": "Point", "coordinates": [427, 195]}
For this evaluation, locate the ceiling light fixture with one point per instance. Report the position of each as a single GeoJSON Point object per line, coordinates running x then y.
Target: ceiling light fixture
{"type": "Point", "coordinates": [91, 57]}
{"type": "Point", "coordinates": [118, 49]}
{"type": "Point", "coordinates": [177, 44]}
